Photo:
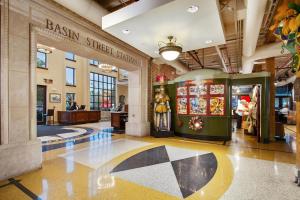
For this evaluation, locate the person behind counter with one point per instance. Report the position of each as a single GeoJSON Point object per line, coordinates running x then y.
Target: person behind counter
{"type": "Point", "coordinates": [74, 106]}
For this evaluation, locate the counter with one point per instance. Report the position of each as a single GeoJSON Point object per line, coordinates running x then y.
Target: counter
{"type": "Point", "coordinates": [78, 117]}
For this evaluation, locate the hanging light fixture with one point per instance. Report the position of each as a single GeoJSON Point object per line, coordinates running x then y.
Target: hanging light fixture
{"type": "Point", "coordinates": [106, 67]}
{"type": "Point", "coordinates": [170, 51]}
{"type": "Point", "coordinates": [44, 49]}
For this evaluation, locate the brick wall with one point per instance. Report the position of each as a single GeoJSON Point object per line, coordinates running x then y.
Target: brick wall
{"type": "Point", "coordinates": [166, 70]}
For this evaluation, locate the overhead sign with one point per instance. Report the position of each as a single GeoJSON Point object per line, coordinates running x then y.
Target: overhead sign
{"type": "Point", "coordinates": [100, 46]}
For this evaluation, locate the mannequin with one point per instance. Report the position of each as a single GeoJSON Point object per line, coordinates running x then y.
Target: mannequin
{"type": "Point", "coordinates": [162, 111]}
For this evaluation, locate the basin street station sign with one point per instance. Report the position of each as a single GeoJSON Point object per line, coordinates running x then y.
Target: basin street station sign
{"type": "Point", "coordinates": [92, 43]}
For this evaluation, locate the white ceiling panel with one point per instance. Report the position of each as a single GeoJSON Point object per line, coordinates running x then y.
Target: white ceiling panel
{"type": "Point", "coordinates": [151, 21]}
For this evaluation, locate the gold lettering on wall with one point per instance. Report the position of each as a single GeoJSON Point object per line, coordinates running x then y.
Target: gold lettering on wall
{"type": "Point", "coordinates": [92, 43]}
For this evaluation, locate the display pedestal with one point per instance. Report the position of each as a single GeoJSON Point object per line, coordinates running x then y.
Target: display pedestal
{"type": "Point", "coordinates": [162, 134]}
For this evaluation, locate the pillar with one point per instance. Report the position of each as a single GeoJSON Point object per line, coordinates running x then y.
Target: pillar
{"type": "Point", "coordinates": [270, 67]}
{"type": "Point", "coordinates": [138, 124]}
{"type": "Point", "coordinates": [20, 150]}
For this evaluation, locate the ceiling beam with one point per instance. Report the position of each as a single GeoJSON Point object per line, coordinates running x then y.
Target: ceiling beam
{"type": "Point", "coordinates": [195, 57]}
{"type": "Point", "coordinates": [222, 59]}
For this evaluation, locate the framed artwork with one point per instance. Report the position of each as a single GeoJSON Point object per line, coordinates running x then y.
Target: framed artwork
{"type": "Point", "coordinates": [206, 98]}
{"type": "Point", "coordinates": [122, 75]}
{"type": "Point", "coordinates": [198, 90]}
{"type": "Point", "coordinates": [217, 106]}
{"type": "Point", "coordinates": [55, 98]}
{"type": "Point", "coordinates": [182, 91]}
{"type": "Point", "coordinates": [217, 89]}
{"type": "Point", "coordinates": [198, 106]}
{"type": "Point", "coordinates": [182, 105]}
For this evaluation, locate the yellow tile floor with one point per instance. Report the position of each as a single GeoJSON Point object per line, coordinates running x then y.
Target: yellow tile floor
{"type": "Point", "coordinates": [61, 178]}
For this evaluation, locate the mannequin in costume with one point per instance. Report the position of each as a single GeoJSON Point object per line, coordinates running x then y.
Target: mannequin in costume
{"type": "Point", "coordinates": [162, 117]}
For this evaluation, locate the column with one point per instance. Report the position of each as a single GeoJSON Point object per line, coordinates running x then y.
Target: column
{"type": "Point", "coordinates": [138, 124]}
{"type": "Point", "coordinates": [20, 151]}
{"type": "Point", "coordinates": [270, 65]}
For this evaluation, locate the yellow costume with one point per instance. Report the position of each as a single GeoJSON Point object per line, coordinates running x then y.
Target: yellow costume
{"type": "Point", "coordinates": [161, 103]}
{"type": "Point", "coordinates": [162, 117]}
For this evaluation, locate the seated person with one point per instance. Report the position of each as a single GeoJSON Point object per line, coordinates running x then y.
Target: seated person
{"type": "Point", "coordinates": [74, 106]}
{"type": "Point", "coordinates": [285, 110]}
{"type": "Point", "coordinates": [283, 114]}
{"type": "Point", "coordinates": [82, 107]}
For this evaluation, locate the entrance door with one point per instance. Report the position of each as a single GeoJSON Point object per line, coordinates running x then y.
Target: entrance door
{"type": "Point", "coordinates": [41, 104]}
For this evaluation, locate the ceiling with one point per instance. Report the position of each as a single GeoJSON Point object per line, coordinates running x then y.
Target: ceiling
{"type": "Point", "coordinates": [150, 23]}
{"type": "Point", "coordinates": [167, 19]}
{"type": "Point", "coordinates": [113, 5]}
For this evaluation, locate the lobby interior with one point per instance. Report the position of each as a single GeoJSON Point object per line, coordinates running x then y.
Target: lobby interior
{"type": "Point", "coordinates": [150, 99]}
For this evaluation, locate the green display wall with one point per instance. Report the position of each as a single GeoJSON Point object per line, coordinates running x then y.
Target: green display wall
{"type": "Point", "coordinates": [216, 127]}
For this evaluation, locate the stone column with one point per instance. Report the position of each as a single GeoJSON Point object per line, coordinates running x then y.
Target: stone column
{"type": "Point", "coordinates": [20, 151]}
{"type": "Point", "coordinates": [138, 124]}
{"type": "Point", "coordinates": [270, 65]}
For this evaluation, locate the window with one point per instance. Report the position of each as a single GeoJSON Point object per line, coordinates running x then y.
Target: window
{"type": "Point", "coordinates": [41, 59]}
{"type": "Point", "coordinates": [70, 56]}
{"type": "Point", "coordinates": [70, 98]}
{"type": "Point", "coordinates": [285, 102]}
{"type": "Point", "coordinates": [102, 92]}
{"type": "Point", "coordinates": [94, 62]}
{"type": "Point", "coordinates": [70, 76]}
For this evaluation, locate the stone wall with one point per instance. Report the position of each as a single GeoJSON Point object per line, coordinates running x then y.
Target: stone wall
{"type": "Point", "coordinates": [23, 25]}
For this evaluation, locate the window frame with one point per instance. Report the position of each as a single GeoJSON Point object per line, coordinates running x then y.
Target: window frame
{"type": "Point", "coordinates": [74, 76]}
{"type": "Point", "coordinates": [70, 59]}
{"type": "Point", "coordinates": [101, 97]}
{"type": "Point", "coordinates": [46, 66]}
{"type": "Point", "coordinates": [93, 61]}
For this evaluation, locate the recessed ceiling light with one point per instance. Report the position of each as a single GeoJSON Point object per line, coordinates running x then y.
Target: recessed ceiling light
{"type": "Point", "coordinates": [126, 31]}
{"type": "Point", "coordinates": [192, 9]}
{"type": "Point", "coordinates": [208, 41]}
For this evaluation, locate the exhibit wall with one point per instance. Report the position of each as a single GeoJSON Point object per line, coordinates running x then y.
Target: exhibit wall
{"type": "Point", "coordinates": [211, 103]}
{"type": "Point", "coordinates": [195, 94]}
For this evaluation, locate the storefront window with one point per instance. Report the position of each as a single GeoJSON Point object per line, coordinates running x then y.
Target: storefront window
{"type": "Point", "coordinates": [277, 103]}
{"type": "Point", "coordinates": [285, 102]}
{"type": "Point", "coordinates": [102, 92]}
{"type": "Point", "coordinates": [70, 98]}
{"type": "Point", "coordinates": [70, 76]}
{"type": "Point", "coordinates": [41, 60]}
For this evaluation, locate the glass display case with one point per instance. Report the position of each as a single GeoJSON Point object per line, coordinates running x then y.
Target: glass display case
{"type": "Point", "coordinates": [201, 99]}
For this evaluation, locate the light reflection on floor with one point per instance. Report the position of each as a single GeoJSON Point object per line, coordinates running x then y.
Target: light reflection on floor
{"type": "Point", "coordinates": [246, 170]}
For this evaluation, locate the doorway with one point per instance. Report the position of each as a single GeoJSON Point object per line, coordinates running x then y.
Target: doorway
{"type": "Point", "coordinates": [246, 113]}
{"type": "Point", "coordinates": [41, 104]}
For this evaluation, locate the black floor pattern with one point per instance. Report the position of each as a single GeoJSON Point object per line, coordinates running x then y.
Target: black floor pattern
{"type": "Point", "coordinates": [192, 173]}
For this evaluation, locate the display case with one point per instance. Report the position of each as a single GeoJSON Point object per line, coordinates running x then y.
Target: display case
{"type": "Point", "coordinates": [207, 99]}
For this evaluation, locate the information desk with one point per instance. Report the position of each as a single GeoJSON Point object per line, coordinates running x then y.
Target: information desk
{"type": "Point", "coordinates": [78, 117]}
{"type": "Point", "coordinates": [118, 120]}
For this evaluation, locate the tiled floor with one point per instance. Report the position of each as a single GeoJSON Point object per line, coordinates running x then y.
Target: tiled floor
{"type": "Point", "coordinates": [129, 168]}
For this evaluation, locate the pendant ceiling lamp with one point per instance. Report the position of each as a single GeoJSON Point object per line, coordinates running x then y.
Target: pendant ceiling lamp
{"type": "Point", "coordinates": [107, 67]}
{"type": "Point", "coordinates": [44, 49]}
{"type": "Point", "coordinates": [169, 51]}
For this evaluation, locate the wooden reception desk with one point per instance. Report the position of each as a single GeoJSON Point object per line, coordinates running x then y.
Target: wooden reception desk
{"type": "Point", "coordinates": [78, 117]}
{"type": "Point", "coordinates": [118, 120]}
